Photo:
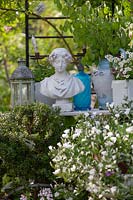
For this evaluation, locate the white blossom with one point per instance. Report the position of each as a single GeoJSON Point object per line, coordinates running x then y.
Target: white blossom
{"type": "Point", "coordinates": [110, 134]}
{"type": "Point", "coordinates": [100, 165]}
{"type": "Point", "coordinates": [66, 131]}
{"type": "Point", "coordinates": [91, 177]}
{"type": "Point", "coordinates": [50, 147]}
{"type": "Point", "coordinates": [117, 115]}
{"type": "Point", "coordinates": [104, 153]}
{"type": "Point", "coordinates": [107, 127]}
{"type": "Point", "coordinates": [113, 189]}
{"type": "Point", "coordinates": [56, 194]}
{"type": "Point", "coordinates": [57, 171]}
{"type": "Point", "coordinates": [67, 145]}
{"type": "Point", "coordinates": [125, 137]}
{"type": "Point", "coordinates": [112, 105]}
{"type": "Point", "coordinates": [113, 139]}
{"type": "Point", "coordinates": [90, 198]}
{"type": "Point", "coordinates": [65, 135]}
{"type": "Point", "coordinates": [116, 121]}
{"type": "Point", "coordinates": [109, 143]}
{"type": "Point", "coordinates": [77, 133]}
{"type": "Point", "coordinates": [92, 171]}
{"type": "Point", "coordinates": [114, 157]}
{"type": "Point", "coordinates": [59, 144]}
{"type": "Point", "coordinates": [129, 129]}
{"type": "Point", "coordinates": [100, 196]}
{"type": "Point", "coordinates": [86, 114]}
{"type": "Point", "coordinates": [73, 168]}
{"type": "Point", "coordinates": [70, 198]}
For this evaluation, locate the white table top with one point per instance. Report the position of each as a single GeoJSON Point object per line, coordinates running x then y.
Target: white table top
{"type": "Point", "coordinates": [93, 112]}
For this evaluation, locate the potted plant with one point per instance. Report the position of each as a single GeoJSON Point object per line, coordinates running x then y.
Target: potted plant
{"type": "Point", "coordinates": [122, 69]}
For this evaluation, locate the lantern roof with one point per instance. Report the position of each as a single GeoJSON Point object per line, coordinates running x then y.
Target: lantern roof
{"type": "Point", "coordinates": [22, 72]}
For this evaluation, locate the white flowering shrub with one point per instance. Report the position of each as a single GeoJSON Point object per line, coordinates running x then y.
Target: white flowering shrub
{"type": "Point", "coordinates": [92, 159]}
{"type": "Point", "coordinates": [122, 67]}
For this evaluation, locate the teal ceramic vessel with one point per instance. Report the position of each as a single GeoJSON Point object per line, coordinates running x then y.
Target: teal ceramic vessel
{"type": "Point", "coordinates": [82, 101]}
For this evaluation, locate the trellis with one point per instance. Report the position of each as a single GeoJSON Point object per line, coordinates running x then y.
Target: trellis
{"type": "Point", "coordinates": [31, 16]}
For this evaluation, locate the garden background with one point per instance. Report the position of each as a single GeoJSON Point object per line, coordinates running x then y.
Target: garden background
{"type": "Point", "coordinates": [28, 133]}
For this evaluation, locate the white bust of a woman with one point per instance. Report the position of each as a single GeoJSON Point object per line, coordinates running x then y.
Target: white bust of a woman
{"type": "Point", "coordinates": [61, 86]}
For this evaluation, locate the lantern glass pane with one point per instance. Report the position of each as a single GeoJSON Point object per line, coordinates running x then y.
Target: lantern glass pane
{"type": "Point", "coordinates": [26, 93]}
{"type": "Point", "coordinates": [29, 92]}
{"type": "Point", "coordinates": [16, 94]}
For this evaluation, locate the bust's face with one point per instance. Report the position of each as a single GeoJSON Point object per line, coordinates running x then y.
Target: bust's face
{"type": "Point", "coordinates": [60, 63]}
{"type": "Point", "coordinates": [60, 58]}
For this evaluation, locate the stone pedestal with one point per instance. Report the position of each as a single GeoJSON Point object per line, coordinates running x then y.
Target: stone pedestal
{"type": "Point", "coordinates": [64, 104]}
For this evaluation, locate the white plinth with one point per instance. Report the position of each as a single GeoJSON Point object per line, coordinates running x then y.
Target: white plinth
{"type": "Point", "coordinates": [64, 104]}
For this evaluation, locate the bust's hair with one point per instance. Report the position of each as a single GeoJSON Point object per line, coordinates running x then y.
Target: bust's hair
{"type": "Point", "coordinates": [60, 51]}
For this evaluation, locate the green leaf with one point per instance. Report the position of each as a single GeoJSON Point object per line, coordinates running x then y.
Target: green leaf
{"type": "Point", "coordinates": [101, 52]}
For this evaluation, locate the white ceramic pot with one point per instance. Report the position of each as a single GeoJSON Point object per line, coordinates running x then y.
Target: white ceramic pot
{"type": "Point", "coordinates": [122, 89]}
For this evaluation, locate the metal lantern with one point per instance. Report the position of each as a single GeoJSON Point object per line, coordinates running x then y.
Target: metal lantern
{"type": "Point", "coordinates": [22, 85]}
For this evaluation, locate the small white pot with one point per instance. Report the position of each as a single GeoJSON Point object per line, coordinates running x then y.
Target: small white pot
{"type": "Point", "coordinates": [122, 89]}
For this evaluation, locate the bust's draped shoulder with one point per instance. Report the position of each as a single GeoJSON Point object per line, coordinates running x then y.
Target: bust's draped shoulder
{"type": "Point", "coordinates": [61, 88]}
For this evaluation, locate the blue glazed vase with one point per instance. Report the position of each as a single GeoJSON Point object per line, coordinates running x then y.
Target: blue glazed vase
{"type": "Point", "coordinates": [102, 81]}
{"type": "Point", "coordinates": [82, 101]}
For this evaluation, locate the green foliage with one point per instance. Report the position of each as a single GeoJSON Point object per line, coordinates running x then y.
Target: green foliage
{"type": "Point", "coordinates": [26, 132]}
{"type": "Point", "coordinates": [42, 70]}
{"type": "Point", "coordinates": [102, 26]}
{"type": "Point", "coordinates": [11, 47]}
